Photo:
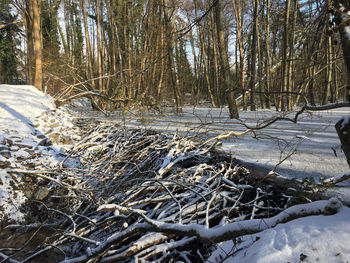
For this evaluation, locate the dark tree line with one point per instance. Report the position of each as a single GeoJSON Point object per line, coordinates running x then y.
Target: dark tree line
{"type": "Point", "coordinates": [258, 53]}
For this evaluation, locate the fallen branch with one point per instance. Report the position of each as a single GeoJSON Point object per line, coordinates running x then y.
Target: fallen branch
{"type": "Point", "coordinates": [336, 179]}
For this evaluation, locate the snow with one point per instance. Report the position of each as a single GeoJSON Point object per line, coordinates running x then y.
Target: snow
{"type": "Point", "coordinates": [345, 14]}
{"type": "Point", "coordinates": [345, 121]}
{"type": "Point", "coordinates": [310, 239]}
{"type": "Point", "coordinates": [311, 142]}
{"type": "Point", "coordinates": [347, 32]}
{"type": "Point", "coordinates": [10, 199]}
{"type": "Point", "coordinates": [20, 107]}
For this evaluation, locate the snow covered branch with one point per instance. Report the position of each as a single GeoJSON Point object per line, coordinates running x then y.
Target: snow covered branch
{"type": "Point", "coordinates": [213, 235]}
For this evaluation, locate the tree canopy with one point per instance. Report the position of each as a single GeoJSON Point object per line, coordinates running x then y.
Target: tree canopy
{"type": "Point", "coordinates": [246, 53]}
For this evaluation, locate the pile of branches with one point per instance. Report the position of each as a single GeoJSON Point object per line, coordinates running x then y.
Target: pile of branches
{"type": "Point", "coordinates": [141, 196]}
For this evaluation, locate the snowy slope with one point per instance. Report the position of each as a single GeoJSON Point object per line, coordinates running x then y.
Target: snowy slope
{"type": "Point", "coordinates": [25, 112]}
{"type": "Point", "coordinates": [19, 106]}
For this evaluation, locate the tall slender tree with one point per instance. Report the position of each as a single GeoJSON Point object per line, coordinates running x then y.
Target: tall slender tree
{"type": "Point", "coordinates": [38, 79]}
{"type": "Point", "coordinates": [342, 8]}
{"type": "Point", "coordinates": [253, 62]}
{"type": "Point", "coordinates": [227, 83]}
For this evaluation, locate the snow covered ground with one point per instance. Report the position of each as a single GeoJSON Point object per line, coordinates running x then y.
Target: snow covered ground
{"type": "Point", "coordinates": [313, 138]}
{"type": "Point", "coordinates": [309, 239]}
{"type": "Point", "coordinates": [27, 118]}
{"type": "Point", "coordinates": [18, 108]}
{"type": "Point", "coordinates": [313, 141]}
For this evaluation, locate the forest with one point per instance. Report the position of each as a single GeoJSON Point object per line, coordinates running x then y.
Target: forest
{"type": "Point", "coordinates": [250, 54]}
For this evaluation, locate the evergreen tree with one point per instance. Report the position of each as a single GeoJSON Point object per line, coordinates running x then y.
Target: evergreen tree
{"type": "Point", "coordinates": [8, 43]}
{"type": "Point", "coordinates": [51, 43]}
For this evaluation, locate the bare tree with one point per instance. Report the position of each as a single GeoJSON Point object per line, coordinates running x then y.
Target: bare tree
{"type": "Point", "coordinates": [253, 47]}
{"type": "Point", "coordinates": [342, 20]}
{"type": "Point", "coordinates": [224, 63]}
{"type": "Point", "coordinates": [38, 80]}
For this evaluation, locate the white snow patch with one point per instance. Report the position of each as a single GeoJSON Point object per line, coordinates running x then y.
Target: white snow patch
{"type": "Point", "coordinates": [345, 120]}
{"type": "Point", "coordinates": [310, 239]}
{"type": "Point", "coordinates": [10, 199]}
{"type": "Point", "coordinates": [347, 32]}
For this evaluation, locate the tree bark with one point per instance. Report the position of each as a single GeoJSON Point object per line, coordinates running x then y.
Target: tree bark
{"type": "Point", "coordinates": [38, 79]}
{"type": "Point", "coordinates": [268, 57]}
{"type": "Point", "coordinates": [290, 82]}
{"type": "Point", "coordinates": [99, 46]}
{"type": "Point", "coordinates": [170, 55]}
{"type": "Point", "coordinates": [224, 64]}
{"type": "Point", "coordinates": [329, 59]}
{"type": "Point", "coordinates": [204, 57]}
{"type": "Point", "coordinates": [28, 14]}
{"type": "Point", "coordinates": [341, 7]}
{"type": "Point", "coordinates": [239, 22]}
{"type": "Point", "coordinates": [343, 130]}
{"type": "Point", "coordinates": [285, 64]}
{"type": "Point", "coordinates": [253, 56]}
{"type": "Point", "coordinates": [162, 53]}
{"type": "Point", "coordinates": [87, 44]}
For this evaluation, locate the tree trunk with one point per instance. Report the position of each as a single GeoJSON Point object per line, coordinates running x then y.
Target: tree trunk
{"type": "Point", "coordinates": [195, 65]}
{"type": "Point", "coordinates": [220, 94]}
{"type": "Point", "coordinates": [170, 55]}
{"type": "Point", "coordinates": [341, 6]}
{"type": "Point", "coordinates": [329, 58]}
{"type": "Point", "coordinates": [329, 70]}
{"type": "Point", "coordinates": [113, 42]}
{"type": "Point", "coordinates": [253, 56]}
{"type": "Point", "coordinates": [69, 32]}
{"type": "Point", "coordinates": [290, 82]}
{"type": "Point", "coordinates": [335, 90]}
{"type": "Point", "coordinates": [87, 45]}
{"type": "Point", "coordinates": [162, 53]}
{"type": "Point", "coordinates": [260, 72]}
{"type": "Point", "coordinates": [343, 130]}
{"type": "Point", "coordinates": [268, 58]}
{"type": "Point", "coordinates": [224, 64]}
{"type": "Point", "coordinates": [38, 80]}
{"type": "Point", "coordinates": [285, 71]}
{"type": "Point", "coordinates": [99, 45]}
{"type": "Point", "coordinates": [204, 56]}
{"type": "Point", "coordinates": [28, 14]}
{"type": "Point", "coordinates": [239, 22]}
{"type": "Point", "coordinates": [311, 85]}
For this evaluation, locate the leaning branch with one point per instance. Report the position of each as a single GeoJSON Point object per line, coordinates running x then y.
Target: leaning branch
{"type": "Point", "coordinates": [2, 26]}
